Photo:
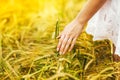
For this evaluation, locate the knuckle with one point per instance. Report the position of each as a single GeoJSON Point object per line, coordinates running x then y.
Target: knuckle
{"type": "Point", "coordinates": [64, 41]}
{"type": "Point", "coordinates": [69, 34]}
{"type": "Point", "coordinates": [69, 42]}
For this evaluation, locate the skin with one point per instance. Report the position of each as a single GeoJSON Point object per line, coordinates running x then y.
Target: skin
{"type": "Point", "coordinates": [68, 36]}
{"type": "Point", "coordinates": [116, 58]}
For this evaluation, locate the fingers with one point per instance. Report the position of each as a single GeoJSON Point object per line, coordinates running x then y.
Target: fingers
{"type": "Point", "coordinates": [72, 44]}
{"type": "Point", "coordinates": [67, 45]}
{"type": "Point", "coordinates": [64, 43]}
{"type": "Point", "coordinates": [60, 42]}
{"type": "Point", "coordinates": [58, 37]}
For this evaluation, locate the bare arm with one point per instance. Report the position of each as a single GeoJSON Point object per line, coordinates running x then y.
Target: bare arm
{"type": "Point", "coordinates": [91, 7]}
{"type": "Point", "coordinates": [71, 32]}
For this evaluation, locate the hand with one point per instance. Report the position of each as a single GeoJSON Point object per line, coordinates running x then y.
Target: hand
{"type": "Point", "coordinates": [68, 36]}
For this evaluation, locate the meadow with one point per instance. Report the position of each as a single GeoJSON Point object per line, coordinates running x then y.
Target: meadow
{"type": "Point", "coordinates": [28, 31]}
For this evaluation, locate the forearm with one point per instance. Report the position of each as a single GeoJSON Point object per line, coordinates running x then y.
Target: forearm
{"type": "Point", "coordinates": [91, 7]}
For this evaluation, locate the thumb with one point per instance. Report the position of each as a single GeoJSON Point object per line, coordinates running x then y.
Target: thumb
{"type": "Point", "coordinates": [58, 37]}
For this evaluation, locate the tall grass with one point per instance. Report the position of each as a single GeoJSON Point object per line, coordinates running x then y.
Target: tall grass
{"type": "Point", "coordinates": [28, 46]}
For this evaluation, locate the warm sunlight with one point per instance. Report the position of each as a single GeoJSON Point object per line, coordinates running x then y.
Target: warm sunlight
{"type": "Point", "coordinates": [28, 31]}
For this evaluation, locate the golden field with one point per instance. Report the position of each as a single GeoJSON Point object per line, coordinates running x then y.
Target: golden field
{"type": "Point", "coordinates": [28, 30]}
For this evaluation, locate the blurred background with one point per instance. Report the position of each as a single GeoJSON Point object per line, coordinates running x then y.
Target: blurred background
{"type": "Point", "coordinates": [28, 30]}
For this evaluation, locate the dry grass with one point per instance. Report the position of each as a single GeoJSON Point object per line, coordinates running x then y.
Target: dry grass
{"type": "Point", "coordinates": [28, 45]}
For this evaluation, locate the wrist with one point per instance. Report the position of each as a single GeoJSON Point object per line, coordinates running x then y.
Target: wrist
{"type": "Point", "coordinates": [80, 22]}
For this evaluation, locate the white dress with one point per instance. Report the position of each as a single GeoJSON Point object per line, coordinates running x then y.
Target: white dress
{"type": "Point", "coordinates": [105, 24]}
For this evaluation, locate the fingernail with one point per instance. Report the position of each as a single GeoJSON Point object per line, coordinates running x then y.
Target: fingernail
{"type": "Point", "coordinates": [57, 49]}
{"type": "Point", "coordinates": [60, 53]}
{"type": "Point", "coordinates": [69, 50]}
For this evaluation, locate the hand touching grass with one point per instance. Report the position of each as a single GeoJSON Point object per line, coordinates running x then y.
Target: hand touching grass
{"type": "Point", "coordinates": [68, 36]}
{"type": "Point", "coordinates": [71, 32]}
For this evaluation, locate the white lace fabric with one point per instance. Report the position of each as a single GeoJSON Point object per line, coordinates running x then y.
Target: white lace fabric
{"type": "Point", "coordinates": [105, 24]}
